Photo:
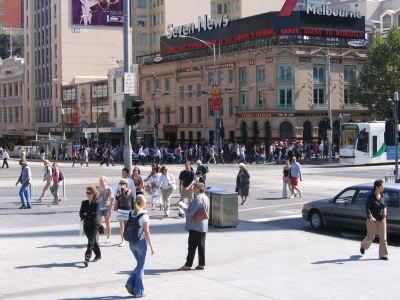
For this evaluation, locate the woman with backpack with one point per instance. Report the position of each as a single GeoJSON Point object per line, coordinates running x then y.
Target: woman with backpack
{"type": "Point", "coordinates": [138, 246]}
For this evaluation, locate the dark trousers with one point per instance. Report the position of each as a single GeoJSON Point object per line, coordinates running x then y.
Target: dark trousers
{"type": "Point", "coordinates": [5, 162]}
{"type": "Point", "coordinates": [91, 230]}
{"type": "Point", "coordinates": [104, 161]}
{"type": "Point", "coordinates": [197, 240]}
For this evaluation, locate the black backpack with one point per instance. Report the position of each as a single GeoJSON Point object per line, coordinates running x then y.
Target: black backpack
{"type": "Point", "coordinates": [60, 175]}
{"type": "Point", "coordinates": [132, 226]}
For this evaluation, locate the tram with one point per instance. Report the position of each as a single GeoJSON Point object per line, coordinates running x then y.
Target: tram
{"type": "Point", "coordinates": [363, 143]}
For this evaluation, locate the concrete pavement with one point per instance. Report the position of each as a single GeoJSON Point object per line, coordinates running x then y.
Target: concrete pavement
{"type": "Point", "coordinates": [252, 261]}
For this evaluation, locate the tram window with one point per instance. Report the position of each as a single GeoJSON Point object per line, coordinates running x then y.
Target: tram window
{"type": "Point", "coordinates": [374, 145]}
{"type": "Point", "coordinates": [362, 144]}
{"type": "Point", "coordinates": [348, 137]}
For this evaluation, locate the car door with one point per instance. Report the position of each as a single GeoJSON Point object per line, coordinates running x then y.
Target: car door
{"type": "Point", "coordinates": [392, 199]}
{"type": "Point", "coordinates": [335, 212]}
{"type": "Point", "coordinates": [356, 212]}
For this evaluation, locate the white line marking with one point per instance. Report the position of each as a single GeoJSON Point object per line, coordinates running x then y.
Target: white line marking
{"type": "Point", "coordinates": [276, 218]}
{"type": "Point", "coordinates": [272, 206]}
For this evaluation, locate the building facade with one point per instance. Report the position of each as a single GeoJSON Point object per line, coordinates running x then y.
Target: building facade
{"type": "Point", "coordinates": [12, 14]}
{"type": "Point", "coordinates": [13, 129]}
{"type": "Point", "coordinates": [273, 82]}
{"type": "Point", "coordinates": [66, 43]}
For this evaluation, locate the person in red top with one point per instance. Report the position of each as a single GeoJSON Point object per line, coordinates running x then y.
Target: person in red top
{"type": "Point", "coordinates": [56, 184]}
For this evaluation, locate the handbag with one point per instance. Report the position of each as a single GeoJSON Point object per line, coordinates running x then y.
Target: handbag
{"type": "Point", "coordinates": [116, 205]}
{"type": "Point", "coordinates": [201, 214]}
{"type": "Point", "coordinates": [101, 229]}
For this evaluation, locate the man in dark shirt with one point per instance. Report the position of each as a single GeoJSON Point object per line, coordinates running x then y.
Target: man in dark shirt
{"type": "Point", "coordinates": [185, 182]}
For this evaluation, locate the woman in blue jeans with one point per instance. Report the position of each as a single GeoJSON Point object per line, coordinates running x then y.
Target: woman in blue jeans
{"type": "Point", "coordinates": [134, 284]}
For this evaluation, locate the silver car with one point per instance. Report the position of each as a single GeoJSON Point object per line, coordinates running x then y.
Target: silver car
{"type": "Point", "coordinates": [347, 209]}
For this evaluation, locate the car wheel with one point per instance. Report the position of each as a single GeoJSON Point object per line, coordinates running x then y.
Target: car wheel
{"type": "Point", "coordinates": [316, 220]}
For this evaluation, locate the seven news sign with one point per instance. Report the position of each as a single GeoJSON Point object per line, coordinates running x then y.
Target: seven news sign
{"type": "Point", "coordinates": [204, 24]}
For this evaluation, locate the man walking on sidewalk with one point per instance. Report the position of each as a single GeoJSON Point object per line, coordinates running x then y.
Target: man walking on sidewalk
{"type": "Point", "coordinates": [5, 157]}
{"type": "Point", "coordinates": [25, 179]}
{"type": "Point", "coordinates": [56, 183]}
{"type": "Point", "coordinates": [295, 176]}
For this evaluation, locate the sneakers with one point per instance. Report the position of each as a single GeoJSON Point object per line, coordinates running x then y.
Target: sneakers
{"type": "Point", "coordinates": [97, 258]}
{"type": "Point", "coordinates": [108, 241]}
{"type": "Point", "coordinates": [384, 258]}
{"type": "Point", "coordinates": [362, 250]}
{"type": "Point", "coordinates": [22, 207]}
{"type": "Point", "coordinates": [122, 244]}
{"type": "Point", "coordinates": [184, 268]}
{"type": "Point", "coordinates": [200, 268]}
{"type": "Point", "coordinates": [291, 197]}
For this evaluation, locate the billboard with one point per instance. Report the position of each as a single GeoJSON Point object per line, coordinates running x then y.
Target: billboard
{"type": "Point", "coordinates": [98, 12]}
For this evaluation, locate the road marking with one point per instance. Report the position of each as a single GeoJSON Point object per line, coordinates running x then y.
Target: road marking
{"type": "Point", "coordinates": [272, 206]}
{"type": "Point", "coordinates": [276, 218]}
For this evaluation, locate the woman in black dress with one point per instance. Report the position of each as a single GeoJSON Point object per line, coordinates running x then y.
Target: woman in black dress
{"type": "Point", "coordinates": [89, 215]}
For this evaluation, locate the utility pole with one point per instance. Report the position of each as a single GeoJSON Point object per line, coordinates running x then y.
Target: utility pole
{"type": "Point", "coordinates": [127, 62]}
{"type": "Point", "coordinates": [155, 110]}
{"type": "Point", "coordinates": [329, 98]}
{"type": "Point", "coordinates": [396, 135]}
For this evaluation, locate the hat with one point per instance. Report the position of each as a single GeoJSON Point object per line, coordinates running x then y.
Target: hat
{"type": "Point", "coordinates": [242, 166]}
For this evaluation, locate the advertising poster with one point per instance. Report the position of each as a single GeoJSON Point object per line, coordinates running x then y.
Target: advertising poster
{"type": "Point", "coordinates": [97, 12]}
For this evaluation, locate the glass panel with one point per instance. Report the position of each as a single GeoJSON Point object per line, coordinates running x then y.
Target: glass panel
{"type": "Point", "coordinates": [362, 144]}
{"type": "Point", "coordinates": [346, 196]}
{"type": "Point", "coordinates": [362, 197]}
{"type": "Point", "coordinates": [391, 198]}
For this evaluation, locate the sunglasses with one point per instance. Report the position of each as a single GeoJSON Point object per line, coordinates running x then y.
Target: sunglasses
{"type": "Point", "coordinates": [196, 186]}
{"type": "Point", "coordinates": [89, 193]}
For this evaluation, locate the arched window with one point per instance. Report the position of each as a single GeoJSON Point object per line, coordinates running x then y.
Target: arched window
{"type": "Point", "coordinates": [243, 131]}
{"type": "Point", "coordinates": [387, 21]}
{"type": "Point", "coordinates": [268, 133]}
{"type": "Point", "coordinates": [256, 131]}
{"type": "Point", "coordinates": [286, 130]}
{"type": "Point", "coordinates": [323, 127]}
{"type": "Point", "coordinates": [307, 132]}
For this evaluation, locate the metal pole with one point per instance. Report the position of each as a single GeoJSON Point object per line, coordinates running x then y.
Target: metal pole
{"type": "Point", "coordinates": [127, 62]}
{"type": "Point", "coordinates": [154, 107]}
{"type": "Point", "coordinates": [329, 107]}
{"type": "Point", "coordinates": [396, 139]}
{"type": "Point", "coordinates": [216, 82]}
{"type": "Point", "coordinates": [97, 115]}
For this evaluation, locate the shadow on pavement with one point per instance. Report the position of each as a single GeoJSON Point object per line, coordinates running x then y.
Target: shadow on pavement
{"type": "Point", "coordinates": [53, 265]}
{"type": "Point", "coordinates": [343, 260]}
{"type": "Point", "coordinates": [274, 198]}
{"type": "Point", "coordinates": [72, 246]}
{"type": "Point", "coordinates": [150, 272]}
{"type": "Point", "coordinates": [100, 298]}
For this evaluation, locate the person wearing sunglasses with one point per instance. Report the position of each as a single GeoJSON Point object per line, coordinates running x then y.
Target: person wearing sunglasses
{"type": "Point", "coordinates": [89, 215]}
{"type": "Point", "coordinates": [138, 181]}
{"type": "Point", "coordinates": [124, 199]}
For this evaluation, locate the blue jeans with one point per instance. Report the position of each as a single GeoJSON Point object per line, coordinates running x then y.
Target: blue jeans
{"type": "Point", "coordinates": [135, 281]}
{"type": "Point", "coordinates": [25, 194]}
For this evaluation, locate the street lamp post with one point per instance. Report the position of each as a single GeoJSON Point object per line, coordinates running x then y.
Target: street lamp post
{"type": "Point", "coordinates": [216, 82]}
{"type": "Point", "coordinates": [328, 58]}
{"type": "Point", "coordinates": [155, 110]}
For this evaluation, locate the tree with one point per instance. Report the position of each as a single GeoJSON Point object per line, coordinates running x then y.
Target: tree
{"type": "Point", "coordinates": [380, 75]}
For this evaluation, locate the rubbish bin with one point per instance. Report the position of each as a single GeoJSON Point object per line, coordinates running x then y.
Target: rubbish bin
{"type": "Point", "coordinates": [225, 209]}
{"type": "Point", "coordinates": [209, 192]}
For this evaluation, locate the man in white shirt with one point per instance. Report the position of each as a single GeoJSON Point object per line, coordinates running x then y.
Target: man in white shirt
{"type": "Point", "coordinates": [131, 185]}
{"type": "Point", "coordinates": [5, 157]}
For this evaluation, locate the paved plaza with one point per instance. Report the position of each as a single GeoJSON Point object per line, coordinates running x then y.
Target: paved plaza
{"type": "Point", "coordinates": [272, 254]}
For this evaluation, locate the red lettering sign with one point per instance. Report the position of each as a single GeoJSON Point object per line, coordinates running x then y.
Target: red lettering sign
{"type": "Point", "coordinates": [215, 96]}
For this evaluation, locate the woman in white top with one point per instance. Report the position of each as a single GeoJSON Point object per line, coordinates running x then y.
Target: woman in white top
{"type": "Point", "coordinates": [167, 185]}
{"type": "Point", "coordinates": [105, 204]}
{"type": "Point", "coordinates": [154, 183]}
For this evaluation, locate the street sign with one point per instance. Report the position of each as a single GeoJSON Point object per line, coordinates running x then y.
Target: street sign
{"type": "Point", "coordinates": [130, 83]}
{"type": "Point", "coordinates": [215, 96]}
{"type": "Point", "coordinates": [391, 152]}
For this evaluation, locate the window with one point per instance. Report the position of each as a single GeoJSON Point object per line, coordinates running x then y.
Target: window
{"type": "Point", "coordinates": [198, 90]}
{"type": "Point", "coordinates": [349, 73]}
{"type": "Point", "coordinates": [219, 9]}
{"type": "Point", "coordinates": [387, 21]}
{"type": "Point", "coordinates": [158, 116]}
{"type": "Point", "coordinates": [115, 109]}
{"type": "Point", "coordinates": [181, 92]}
{"type": "Point", "coordinates": [348, 100]}
{"type": "Point", "coordinates": [361, 198]}
{"type": "Point", "coordinates": [190, 114]}
{"type": "Point", "coordinates": [210, 112]}
{"type": "Point", "coordinates": [230, 76]}
{"type": "Point", "coordinates": [167, 116]}
{"type": "Point", "coordinates": [182, 134]}
{"type": "Point", "coordinates": [181, 115]}
{"type": "Point", "coordinates": [115, 85]}
{"type": "Point", "coordinates": [285, 73]}
{"type": "Point", "coordinates": [190, 91]}
{"type": "Point", "coordinates": [242, 76]}
{"type": "Point", "coordinates": [142, 21]}
{"type": "Point", "coordinates": [148, 117]}
{"type": "Point", "coordinates": [148, 87]}
{"type": "Point", "coordinates": [167, 85]}
{"type": "Point", "coordinates": [260, 75]}
{"type": "Point", "coordinates": [346, 196]}
{"type": "Point", "coordinates": [190, 137]}
{"type": "Point", "coordinates": [199, 137]}
{"type": "Point", "coordinates": [230, 106]}
{"type": "Point", "coordinates": [319, 73]}
{"type": "Point", "coordinates": [210, 78]}
{"type": "Point", "coordinates": [391, 198]}
{"type": "Point", "coordinates": [243, 100]}
{"type": "Point", "coordinates": [141, 3]}
{"type": "Point", "coordinates": [363, 142]}
{"type": "Point", "coordinates": [285, 98]}
{"type": "Point", "coordinates": [198, 114]}
{"type": "Point", "coordinates": [319, 96]}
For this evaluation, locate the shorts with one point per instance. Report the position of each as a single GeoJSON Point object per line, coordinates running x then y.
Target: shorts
{"type": "Point", "coordinates": [294, 181]}
{"type": "Point", "coordinates": [103, 212]}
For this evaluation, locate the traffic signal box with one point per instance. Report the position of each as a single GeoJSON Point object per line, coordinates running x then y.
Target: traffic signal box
{"type": "Point", "coordinates": [134, 111]}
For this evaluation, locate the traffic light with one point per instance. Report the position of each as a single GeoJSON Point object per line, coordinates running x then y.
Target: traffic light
{"type": "Point", "coordinates": [134, 111]}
